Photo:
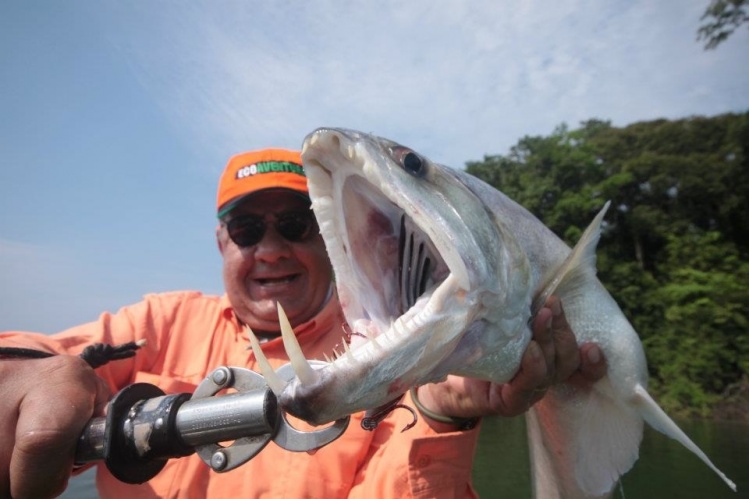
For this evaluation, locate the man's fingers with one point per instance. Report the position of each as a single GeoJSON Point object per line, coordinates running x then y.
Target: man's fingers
{"type": "Point", "coordinates": [542, 334]}
{"type": "Point", "coordinates": [6, 448]}
{"type": "Point", "coordinates": [40, 466]}
{"type": "Point", "coordinates": [593, 363]}
{"type": "Point", "coordinates": [59, 395]}
{"type": "Point", "coordinates": [567, 355]}
{"type": "Point", "coordinates": [526, 388]}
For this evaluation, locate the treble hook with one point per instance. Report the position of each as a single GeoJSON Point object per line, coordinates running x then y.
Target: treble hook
{"type": "Point", "coordinates": [374, 417]}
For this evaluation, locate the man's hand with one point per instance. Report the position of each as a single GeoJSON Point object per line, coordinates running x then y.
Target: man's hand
{"type": "Point", "coordinates": [552, 357]}
{"type": "Point", "coordinates": [45, 405]}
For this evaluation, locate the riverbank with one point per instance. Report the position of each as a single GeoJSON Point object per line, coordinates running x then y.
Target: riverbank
{"type": "Point", "coordinates": [735, 404]}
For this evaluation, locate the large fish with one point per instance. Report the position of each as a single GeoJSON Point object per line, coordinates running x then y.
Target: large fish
{"type": "Point", "coordinates": [438, 273]}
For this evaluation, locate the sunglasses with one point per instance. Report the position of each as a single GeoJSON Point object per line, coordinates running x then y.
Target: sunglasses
{"type": "Point", "coordinates": [294, 226]}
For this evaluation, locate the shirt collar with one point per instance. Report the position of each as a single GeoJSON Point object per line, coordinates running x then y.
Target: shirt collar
{"type": "Point", "coordinates": [326, 318]}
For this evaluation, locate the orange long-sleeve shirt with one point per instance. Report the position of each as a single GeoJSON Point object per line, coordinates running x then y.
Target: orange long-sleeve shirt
{"type": "Point", "coordinates": [188, 335]}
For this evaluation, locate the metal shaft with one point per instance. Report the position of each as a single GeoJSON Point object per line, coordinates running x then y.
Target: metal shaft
{"type": "Point", "coordinates": [228, 417]}
{"type": "Point", "coordinates": [144, 428]}
{"type": "Point", "coordinates": [197, 422]}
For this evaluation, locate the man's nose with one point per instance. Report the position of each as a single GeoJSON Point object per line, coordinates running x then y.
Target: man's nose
{"type": "Point", "coordinates": [272, 246]}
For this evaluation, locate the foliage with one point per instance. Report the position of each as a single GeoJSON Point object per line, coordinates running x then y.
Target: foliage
{"type": "Point", "coordinates": [675, 248]}
{"type": "Point", "coordinates": [723, 18]}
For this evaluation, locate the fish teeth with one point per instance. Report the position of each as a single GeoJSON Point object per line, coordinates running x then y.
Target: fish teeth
{"type": "Point", "coordinates": [376, 344]}
{"type": "Point", "coordinates": [347, 350]}
{"type": "Point", "coordinates": [398, 328]}
{"type": "Point", "coordinates": [275, 383]}
{"type": "Point", "coordinates": [302, 369]}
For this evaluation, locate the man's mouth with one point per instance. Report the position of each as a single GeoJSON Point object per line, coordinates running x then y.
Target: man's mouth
{"type": "Point", "coordinates": [277, 281]}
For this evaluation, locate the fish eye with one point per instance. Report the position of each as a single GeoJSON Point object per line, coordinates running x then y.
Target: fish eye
{"type": "Point", "coordinates": [410, 161]}
{"type": "Point", "coordinates": [413, 164]}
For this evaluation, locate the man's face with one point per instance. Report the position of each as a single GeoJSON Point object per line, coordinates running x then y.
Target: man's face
{"type": "Point", "coordinates": [297, 274]}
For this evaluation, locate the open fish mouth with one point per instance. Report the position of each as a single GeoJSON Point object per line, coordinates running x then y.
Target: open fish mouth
{"type": "Point", "coordinates": [394, 277]}
{"type": "Point", "coordinates": [384, 260]}
{"type": "Point", "coordinates": [388, 261]}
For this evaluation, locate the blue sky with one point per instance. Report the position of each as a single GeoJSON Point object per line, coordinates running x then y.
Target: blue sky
{"type": "Point", "coordinates": [118, 117]}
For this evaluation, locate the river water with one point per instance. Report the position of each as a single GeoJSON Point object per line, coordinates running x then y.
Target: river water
{"type": "Point", "coordinates": [665, 469]}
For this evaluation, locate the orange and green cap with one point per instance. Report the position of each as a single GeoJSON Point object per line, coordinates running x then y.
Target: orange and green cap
{"type": "Point", "coordinates": [251, 172]}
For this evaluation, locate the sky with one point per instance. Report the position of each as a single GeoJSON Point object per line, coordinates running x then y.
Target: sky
{"type": "Point", "coordinates": [119, 116]}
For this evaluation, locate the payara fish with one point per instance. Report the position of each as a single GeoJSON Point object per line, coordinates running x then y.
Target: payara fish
{"type": "Point", "coordinates": [439, 273]}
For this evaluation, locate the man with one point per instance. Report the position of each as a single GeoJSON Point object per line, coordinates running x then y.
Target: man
{"type": "Point", "coordinates": [272, 252]}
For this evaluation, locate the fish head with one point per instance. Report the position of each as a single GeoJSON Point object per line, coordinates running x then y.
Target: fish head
{"type": "Point", "coordinates": [416, 256]}
{"type": "Point", "coordinates": [372, 197]}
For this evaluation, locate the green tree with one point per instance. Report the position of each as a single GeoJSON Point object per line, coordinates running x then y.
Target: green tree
{"type": "Point", "coordinates": [675, 248]}
{"type": "Point", "coordinates": [701, 347]}
{"type": "Point", "coordinates": [723, 18]}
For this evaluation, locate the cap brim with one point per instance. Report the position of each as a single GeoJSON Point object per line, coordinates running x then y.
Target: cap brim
{"type": "Point", "coordinates": [226, 209]}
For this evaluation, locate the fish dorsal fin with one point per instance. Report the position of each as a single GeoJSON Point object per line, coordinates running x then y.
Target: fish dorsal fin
{"type": "Point", "coordinates": [578, 264]}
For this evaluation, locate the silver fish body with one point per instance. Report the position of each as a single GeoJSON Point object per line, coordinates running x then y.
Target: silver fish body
{"type": "Point", "coordinates": [439, 273]}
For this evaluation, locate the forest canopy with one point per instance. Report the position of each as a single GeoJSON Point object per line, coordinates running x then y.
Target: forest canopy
{"type": "Point", "coordinates": [675, 247]}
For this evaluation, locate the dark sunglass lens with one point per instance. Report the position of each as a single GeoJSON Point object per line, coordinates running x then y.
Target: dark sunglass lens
{"type": "Point", "coordinates": [246, 231]}
{"type": "Point", "coordinates": [295, 227]}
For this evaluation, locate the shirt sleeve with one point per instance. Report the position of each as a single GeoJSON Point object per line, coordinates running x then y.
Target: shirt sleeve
{"type": "Point", "coordinates": [417, 462]}
{"type": "Point", "coordinates": [141, 321]}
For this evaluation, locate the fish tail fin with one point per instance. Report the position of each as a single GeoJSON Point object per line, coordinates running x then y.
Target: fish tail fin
{"type": "Point", "coordinates": [581, 441]}
{"type": "Point", "coordinates": [579, 264]}
{"type": "Point", "coordinates": [658, 419]}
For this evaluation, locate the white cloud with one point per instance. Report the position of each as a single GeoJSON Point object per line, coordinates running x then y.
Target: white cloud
{"type": "Point", "coordinates": [453, 79]}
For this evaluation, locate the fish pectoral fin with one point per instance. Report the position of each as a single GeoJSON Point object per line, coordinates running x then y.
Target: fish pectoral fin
{"type": "Point", "coordinates": [581, 441]}
{"type": "Point", "coordinates": [579, 264]}
{"type": "Point", "coordinates": [658, 419]}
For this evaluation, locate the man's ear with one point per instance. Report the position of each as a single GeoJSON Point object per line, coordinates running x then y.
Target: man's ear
{"type": "Point", "coordinates": [220, 240]}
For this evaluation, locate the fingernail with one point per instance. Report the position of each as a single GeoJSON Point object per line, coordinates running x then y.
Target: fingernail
{"type": "Point", "coordinates": [594, 355]}
{"type": "Point", "coordinates": [556, 308]}
{"type": "Point", "coordinates": [535, 350]}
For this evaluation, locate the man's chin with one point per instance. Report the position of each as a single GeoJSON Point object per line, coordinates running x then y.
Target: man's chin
{"type": "Point", "coordinates": [265, 312]}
